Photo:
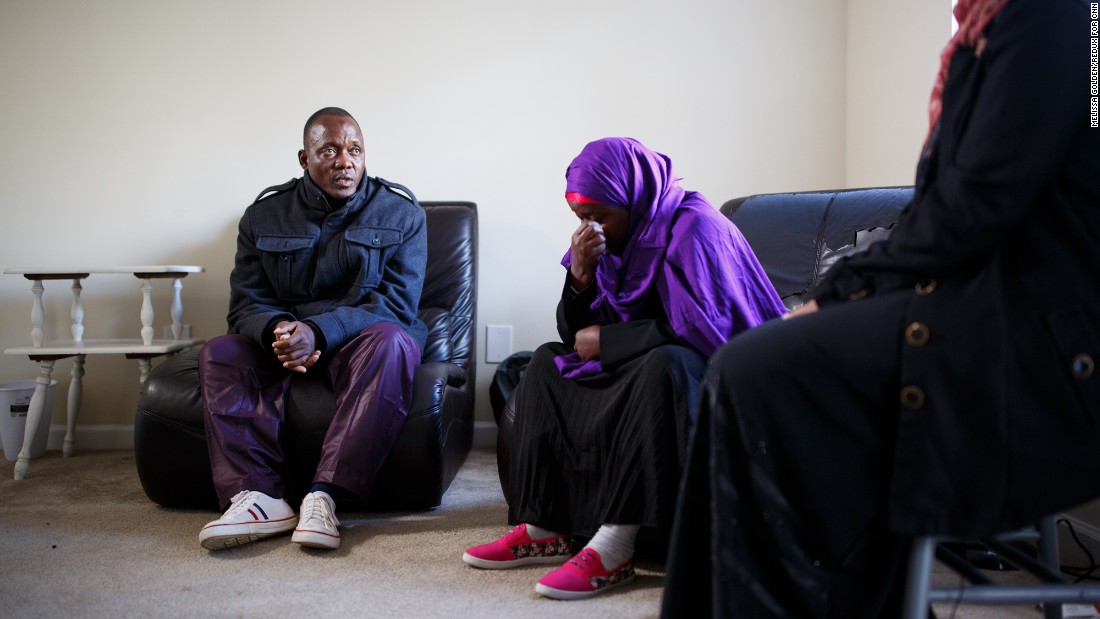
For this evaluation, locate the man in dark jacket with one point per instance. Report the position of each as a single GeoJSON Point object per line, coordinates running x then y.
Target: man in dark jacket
{"type": "Point", "coordinates": [940, 383]}
{"type": "Point", "coordinates": [327, 278]}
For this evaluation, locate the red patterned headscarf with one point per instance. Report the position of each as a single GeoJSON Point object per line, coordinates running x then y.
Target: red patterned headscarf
{"type": "Point", "coordinates": [973, 16]}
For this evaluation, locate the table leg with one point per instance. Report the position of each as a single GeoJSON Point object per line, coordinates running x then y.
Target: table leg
{"type": "Point", "coordinates": [147, 311]}
{"type": "Point", "coordinates": [77, 312]}
{"type": "Point", "coordinates": [145, 365]}
{"type": "Point", "coordinates": [177, 309]}
{"type": "Point", "coordinates": [38, 313]}
{"type": "Point", "coordinates": [76, 392]}
{"type": "Point", "coordinates": [34, 416]}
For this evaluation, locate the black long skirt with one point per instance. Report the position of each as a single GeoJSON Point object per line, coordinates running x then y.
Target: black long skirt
{"type": "Point", "coordinates": [606, 449]}
{"type": "Point", "coordinates": [783, 511]}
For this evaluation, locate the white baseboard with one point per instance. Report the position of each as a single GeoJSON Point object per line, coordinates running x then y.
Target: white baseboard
{"type": "Point", "coordinates": [485, 434]}
{"type": "Point", "coordinates": [111, 436]}
{"type": "Point", "coordinates": [97, 437]}
{"type": "Point", "coordinates": [122, 436]}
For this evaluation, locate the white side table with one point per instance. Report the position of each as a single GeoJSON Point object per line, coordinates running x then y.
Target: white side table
{"type": "Point", "coordinates": [47, 352]}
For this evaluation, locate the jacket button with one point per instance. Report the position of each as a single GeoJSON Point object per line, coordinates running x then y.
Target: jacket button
{"type": "Point", "coordinates": [859, 294]}
{"type": "Point", "coordinates": [912, 397]}
{"type": "Point", "coordinates": [1082, 366]}
{"type": "Point", "coordinates": [917, 334]}
{"type": "Point", "coordinates": [376, 241]}
{"type": "Point", "coordinates": [925, 287]}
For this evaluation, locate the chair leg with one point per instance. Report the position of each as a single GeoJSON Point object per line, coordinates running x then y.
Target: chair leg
{"type": "Point", "coordinates": [1049, 556]}
{"type": "Point", "coordinates": [918, 580]}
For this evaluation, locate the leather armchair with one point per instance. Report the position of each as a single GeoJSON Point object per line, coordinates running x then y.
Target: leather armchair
{"type": "Point", "coordinates": [170, 440]}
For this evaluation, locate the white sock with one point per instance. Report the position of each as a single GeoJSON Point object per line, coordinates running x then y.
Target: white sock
{"type": "Point", "coordinates": [615, 543]}
{"type": "Point", "coordinates": [538, 533]}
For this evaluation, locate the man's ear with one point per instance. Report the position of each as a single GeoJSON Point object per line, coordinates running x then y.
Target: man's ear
{"type": "Point", "coordinates": [302, 158]}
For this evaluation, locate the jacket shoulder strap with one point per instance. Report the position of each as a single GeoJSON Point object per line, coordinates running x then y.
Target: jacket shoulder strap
{"type": "Point", "coordinates": [398, 188]}
{"type": "Point", "coordinates": [276, 189]}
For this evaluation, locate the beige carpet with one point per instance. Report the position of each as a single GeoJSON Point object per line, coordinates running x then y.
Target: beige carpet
{"type": "Point", "coordinates": [78, 538]}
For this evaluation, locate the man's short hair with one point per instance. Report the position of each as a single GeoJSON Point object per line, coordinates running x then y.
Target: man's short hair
{"type": "Point", "coordinates": [325, 111]}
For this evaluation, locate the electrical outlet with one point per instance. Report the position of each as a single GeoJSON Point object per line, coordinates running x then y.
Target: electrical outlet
{"type": "Point", "coordinates": [185, 332]}
{"type": "Point", "coordinates": [498, 343]}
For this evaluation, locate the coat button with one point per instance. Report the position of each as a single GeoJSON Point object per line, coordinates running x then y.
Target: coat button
{"type": "Point", "coordinates": [925, 287]}
{"type": "Point", "coordinates": [1082, 366]}
{"type": "Point", "coordinates": [917, 334]}
{"type": "Point", "coordinates": [376, 241]}
{"type": "Point", "coordinates": [912, 397]}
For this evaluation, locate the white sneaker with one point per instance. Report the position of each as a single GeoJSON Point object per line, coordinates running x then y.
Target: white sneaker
{"type": "Point", "coordinates": [317, 522]}
{"type": "Point", "coordinates": [252, 515]}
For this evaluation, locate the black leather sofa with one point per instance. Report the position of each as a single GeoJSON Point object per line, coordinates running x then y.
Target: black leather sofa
{"type": "Point", "coordinates": [797, 237]}
{"type": "Point", "coordinates": [170, 443]}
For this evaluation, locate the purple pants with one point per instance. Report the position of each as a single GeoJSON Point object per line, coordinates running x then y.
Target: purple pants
{"type": "Point", "coordinates": [243, 393]}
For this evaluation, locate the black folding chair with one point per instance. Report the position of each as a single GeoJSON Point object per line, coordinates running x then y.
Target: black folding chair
{"type": "Point", "coordinates": [1052, 590]}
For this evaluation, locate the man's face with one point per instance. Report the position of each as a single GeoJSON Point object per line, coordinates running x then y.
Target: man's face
{"type": "Point", "coordinates": [333, 156]}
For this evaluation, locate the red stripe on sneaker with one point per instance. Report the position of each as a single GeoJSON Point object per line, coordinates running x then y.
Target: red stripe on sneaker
{"type": "Point", "coordinates": [254, 516]}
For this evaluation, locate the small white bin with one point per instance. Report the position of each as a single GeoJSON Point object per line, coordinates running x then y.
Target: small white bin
{"type": "Point", "coordinates": [15, 401]}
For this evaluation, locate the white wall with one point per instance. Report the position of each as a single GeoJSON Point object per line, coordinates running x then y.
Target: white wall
{"type": "Point", "coordinates": [892, 56]}
{"type": "Point", "coordinates": [137, 131]}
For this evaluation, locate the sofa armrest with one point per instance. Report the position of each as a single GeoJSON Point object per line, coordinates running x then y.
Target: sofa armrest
{"type": "Point", "coordinates": [429, 381]}
{"type": "Point", "coordinates": [435, 440]}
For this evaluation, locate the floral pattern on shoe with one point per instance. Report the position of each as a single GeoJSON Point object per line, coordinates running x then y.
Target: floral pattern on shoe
{"type": "Point", "coordinates": [584, 576]}
{"type": "Point", "coordinates": [516, 548]}
{"type": "Point", "coordinates": [553, 547]}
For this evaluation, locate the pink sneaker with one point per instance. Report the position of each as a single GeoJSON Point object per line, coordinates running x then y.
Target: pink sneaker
{"type": "Point", "coordinates": [516, 548]}
{"type": "Point", "coordinates": [583, 577]}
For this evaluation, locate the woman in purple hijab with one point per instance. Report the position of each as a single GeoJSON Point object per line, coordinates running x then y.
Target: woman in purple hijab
{"type": "Point", "coordinates": [657, 280]}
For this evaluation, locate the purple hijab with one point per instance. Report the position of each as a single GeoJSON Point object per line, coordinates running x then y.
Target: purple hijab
{"type": "Point", "coordinates": [709, 281]}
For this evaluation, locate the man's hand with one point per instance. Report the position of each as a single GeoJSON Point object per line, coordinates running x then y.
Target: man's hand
{"type": "Point", "coordinates": [295, 346]}
{"type": "Point", "coordinates": [808, 307]}
{"type": "Point", "coordinates": [587, 342]}
{"type": "Point", "coordinates": [587, 244]}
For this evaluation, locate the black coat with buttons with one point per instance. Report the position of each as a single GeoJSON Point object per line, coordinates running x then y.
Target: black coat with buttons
{"type": "Point", "coordinates": [999, 401]}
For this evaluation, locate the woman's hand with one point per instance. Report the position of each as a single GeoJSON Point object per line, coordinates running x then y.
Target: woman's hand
{"type": "Point", "coordinates": [587, 342]}
{"type": "Point", "coordinates": [587, 244]}
{"type": "Point", "coordinates": [808, 307]}
{"type": "Point", "coordinates": [295, 346]}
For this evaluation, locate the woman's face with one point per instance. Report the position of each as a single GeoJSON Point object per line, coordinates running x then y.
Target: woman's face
{"type": "Point", "coordinates": [614, 221]}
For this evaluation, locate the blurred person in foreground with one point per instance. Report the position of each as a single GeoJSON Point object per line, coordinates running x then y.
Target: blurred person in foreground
{"type": "Point", "coordinates": [943, 381]}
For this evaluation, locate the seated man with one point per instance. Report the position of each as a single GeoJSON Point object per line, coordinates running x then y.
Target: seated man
{"type": "Point", "coordinates": [943, 382]}
{"type": "Point", "coordinates": [327, 278]}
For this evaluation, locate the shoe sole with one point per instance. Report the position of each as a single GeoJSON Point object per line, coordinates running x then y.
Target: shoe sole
{"type": "Point", "coordinates": [219, 537]}
{"type": "Point", "coordinates": [316, 539]}
{"type": "Point", "coordinates": [563, 594]}
{"type": "Point", "coordinates": [503, 565]}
